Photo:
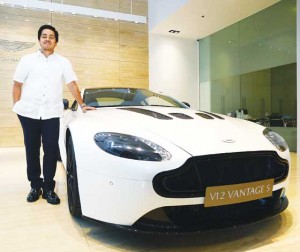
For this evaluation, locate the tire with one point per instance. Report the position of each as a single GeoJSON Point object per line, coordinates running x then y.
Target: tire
{"type": "Point", "coordinates": [72, 182]}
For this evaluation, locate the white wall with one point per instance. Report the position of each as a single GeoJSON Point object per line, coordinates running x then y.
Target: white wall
{"type": "Point", "coordinates": [174, 67]}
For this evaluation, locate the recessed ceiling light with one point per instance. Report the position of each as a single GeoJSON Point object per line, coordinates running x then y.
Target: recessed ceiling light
{"type": "Point", "coordinates": [174, 31]}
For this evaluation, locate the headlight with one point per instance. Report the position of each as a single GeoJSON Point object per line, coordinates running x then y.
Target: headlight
{"type": "Point", "coordinates": [275, 139]}
{"type": "Point", "coordinates": [132, 147]}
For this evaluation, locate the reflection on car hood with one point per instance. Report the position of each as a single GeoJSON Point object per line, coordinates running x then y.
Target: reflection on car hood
{"type": "Point", "coordinates": [198, 133]}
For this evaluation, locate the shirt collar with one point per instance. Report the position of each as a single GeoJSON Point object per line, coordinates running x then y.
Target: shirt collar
{"type": "Point", "coordinates": [40, 54]}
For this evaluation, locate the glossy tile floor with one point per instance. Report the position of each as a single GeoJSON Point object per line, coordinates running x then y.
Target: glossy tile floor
{"type": "Point", "coordinates": [39, 226]}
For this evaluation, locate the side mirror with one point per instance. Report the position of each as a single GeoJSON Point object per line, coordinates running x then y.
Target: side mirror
{"type": "Point", "coordinates": [187, 104]}
{"type": "Point", "coordinates": [66, 103]}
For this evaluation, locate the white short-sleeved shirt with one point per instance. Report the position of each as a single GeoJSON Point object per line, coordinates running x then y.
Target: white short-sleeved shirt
{"type": "Point", "coordinates": [42, 90]}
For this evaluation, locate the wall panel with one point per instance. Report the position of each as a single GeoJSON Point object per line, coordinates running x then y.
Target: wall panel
{"type": "Point", "coordinates": [103, 52]}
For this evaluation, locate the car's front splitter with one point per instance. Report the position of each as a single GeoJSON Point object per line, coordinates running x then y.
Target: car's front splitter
{"type": "Point", "coordinates": [197, 218]}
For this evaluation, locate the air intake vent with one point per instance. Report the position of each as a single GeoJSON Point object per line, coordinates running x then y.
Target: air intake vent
{"type": "Point", "coordinates": [148, 113]}
{"type": "Point", "coordinates": [181, 116]}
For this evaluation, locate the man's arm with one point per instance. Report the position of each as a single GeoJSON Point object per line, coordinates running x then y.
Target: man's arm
{"type": "Point", "coordinates": [76, 94]}
{"type": "Point", "coordinates": [16, 91]}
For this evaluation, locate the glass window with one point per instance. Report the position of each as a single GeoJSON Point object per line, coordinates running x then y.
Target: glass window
{"type": "Point", "coordinates": [248, 69]}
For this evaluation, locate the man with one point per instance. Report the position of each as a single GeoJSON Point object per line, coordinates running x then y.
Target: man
{"type": "Point", "coordinates": [37, 98]}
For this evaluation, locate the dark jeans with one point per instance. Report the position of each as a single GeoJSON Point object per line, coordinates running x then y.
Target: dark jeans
{"type": "Point", "coordinates": [37, 132]}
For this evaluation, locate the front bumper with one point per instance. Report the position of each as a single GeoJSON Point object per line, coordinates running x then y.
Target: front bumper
{"type": "Point", "coordinates": [151, 204]}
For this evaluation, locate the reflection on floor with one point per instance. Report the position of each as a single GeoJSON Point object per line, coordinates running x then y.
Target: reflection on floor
{"type": "Point", "coordinates": [39, 226]}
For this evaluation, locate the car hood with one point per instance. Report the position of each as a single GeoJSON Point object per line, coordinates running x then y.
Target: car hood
{"type": "Point", "coordinates": [197, 133]}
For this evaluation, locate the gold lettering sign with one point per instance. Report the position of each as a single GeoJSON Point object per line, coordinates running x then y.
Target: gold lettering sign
{"type": "Point", "coordinates": [231, 194]}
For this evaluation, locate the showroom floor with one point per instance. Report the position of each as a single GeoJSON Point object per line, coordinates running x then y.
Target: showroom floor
{"type": "Point", "coordinates": [39, 226]}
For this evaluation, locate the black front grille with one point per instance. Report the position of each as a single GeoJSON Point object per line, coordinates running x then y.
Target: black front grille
{"type": "Point", "coordinates": [197, 173]}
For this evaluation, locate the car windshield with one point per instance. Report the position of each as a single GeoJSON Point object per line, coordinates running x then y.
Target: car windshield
{"type": "Point", "coordinates": [118, 97]}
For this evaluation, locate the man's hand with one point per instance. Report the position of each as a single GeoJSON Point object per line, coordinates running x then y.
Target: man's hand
{"type": "Point", "coordinates": [76, 94]}
{"type": "Point", "coordinates": [85, 108]}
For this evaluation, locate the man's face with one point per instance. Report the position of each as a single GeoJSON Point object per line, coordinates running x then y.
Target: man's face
{"type": "Point", "coordinates": [47, 40]}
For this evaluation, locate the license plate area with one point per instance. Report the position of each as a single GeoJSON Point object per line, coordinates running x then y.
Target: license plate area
{"type": "Point", "coordinates": [238, 193]}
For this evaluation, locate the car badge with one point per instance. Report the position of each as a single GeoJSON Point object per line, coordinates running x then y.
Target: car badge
{"type": "Point", "coordinates": [229, 141]}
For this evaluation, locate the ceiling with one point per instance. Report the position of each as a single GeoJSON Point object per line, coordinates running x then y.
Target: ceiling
{"type": "Point", "coordinates": [199, 18]}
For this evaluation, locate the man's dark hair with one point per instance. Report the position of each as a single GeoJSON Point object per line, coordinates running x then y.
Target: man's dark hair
{"type": "Point", "coordinates": [50, 27]}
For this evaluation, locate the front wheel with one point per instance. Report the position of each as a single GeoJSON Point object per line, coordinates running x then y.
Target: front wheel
{"type": "Point", "coordinates": [72, 182]}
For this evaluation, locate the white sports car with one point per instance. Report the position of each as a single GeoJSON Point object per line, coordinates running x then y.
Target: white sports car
{"type": "Point", "coordinates": [144, 160]}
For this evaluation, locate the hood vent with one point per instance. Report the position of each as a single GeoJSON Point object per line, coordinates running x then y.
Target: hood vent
{"type": "Point", "coordinates": [148, 113]}
{"type": "Point", "coordinates": [209, 115]}
{"type": "Point", "coordinates": [214, 115]}
{"type": "Point", "coordinates": [205, 116]}
{"type": "Point", "coordinates": [181, 116]}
